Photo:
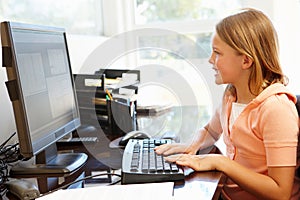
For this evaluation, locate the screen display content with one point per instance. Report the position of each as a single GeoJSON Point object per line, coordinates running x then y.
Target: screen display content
{"type": "Point", "coordinates": [45, 81]}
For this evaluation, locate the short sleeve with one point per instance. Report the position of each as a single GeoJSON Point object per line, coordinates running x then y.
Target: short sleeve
{"type": "Point", "coordinates": [279, 129]}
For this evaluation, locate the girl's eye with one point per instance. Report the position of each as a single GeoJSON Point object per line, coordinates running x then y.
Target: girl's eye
{"type": "Point", "coordinates": [216, 52]}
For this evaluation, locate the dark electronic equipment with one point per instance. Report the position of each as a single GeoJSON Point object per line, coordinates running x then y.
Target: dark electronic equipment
{"type": "Point", "coordinates": [133, 135]}
{"type": "Point", "coordinates": [41, 88]}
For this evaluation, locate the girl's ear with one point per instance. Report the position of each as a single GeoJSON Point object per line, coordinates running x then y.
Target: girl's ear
{"type": "Point", "coordinates": [247, 62]}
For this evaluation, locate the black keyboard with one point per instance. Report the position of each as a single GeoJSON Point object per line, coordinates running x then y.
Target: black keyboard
{"type": "Point", "coordinates": [141, 164]}
{"type": "Point", "coordinates": [75, 140]}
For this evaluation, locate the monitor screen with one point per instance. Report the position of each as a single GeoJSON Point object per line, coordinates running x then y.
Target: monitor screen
{"type": "Point", "coordinates": [40, 84]}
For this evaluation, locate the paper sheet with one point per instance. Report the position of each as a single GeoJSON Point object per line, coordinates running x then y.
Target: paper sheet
{"type": "Point", "coordinates": [147, 191]}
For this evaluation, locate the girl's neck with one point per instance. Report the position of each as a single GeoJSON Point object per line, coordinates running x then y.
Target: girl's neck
{"type": "Point", "coordinates": [244, 96]}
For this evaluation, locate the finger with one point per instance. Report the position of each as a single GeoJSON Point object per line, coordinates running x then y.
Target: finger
{"type": "Point", "coordinates": [174, 158]}
{"type": "Point", "coordinates": [184, 162]}
{"type": "Point", "coordinates": [164, 149]}
{"type": "Point", "coordinates": [160, 149]}
{"type": "Point", "coordinates": [181, 159]}
{"type": "Point", "coordinates": [171, 158]}
{"type": "Point", "coordinates": [197, 163]}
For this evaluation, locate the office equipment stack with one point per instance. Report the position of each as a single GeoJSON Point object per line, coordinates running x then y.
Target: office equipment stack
{"type": "Point", "coordinates": [108, 98]}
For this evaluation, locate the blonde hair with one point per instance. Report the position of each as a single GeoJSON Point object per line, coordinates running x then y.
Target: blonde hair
{"type": "Point", "coordinates": [251, 33]}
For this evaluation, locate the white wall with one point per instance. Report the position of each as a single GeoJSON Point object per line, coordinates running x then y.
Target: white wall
{"type": "Point", "coordinates": [80, 47]}
{"type": "Point", "coordinates": [7, 125]}
{"type": "Point", "coordinates": [287, 24]}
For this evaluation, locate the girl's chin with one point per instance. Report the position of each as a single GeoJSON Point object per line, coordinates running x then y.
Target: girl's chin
{"type": "Point", "coordinates": [218, 80]}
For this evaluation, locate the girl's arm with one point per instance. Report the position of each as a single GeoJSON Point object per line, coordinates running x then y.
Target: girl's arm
{"type": "Point", "coordinates": [276, 185]}
{"type": "Point", "coordinates": [206, 137]}
{"type": "Point", "coordinates": [202, 140]}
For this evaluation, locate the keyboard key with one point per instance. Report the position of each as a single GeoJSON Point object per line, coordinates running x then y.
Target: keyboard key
{"type": "Point", "coordinates": [152, 161]}
{"type": "Point", "coordinates": [167, 167]}
{"type": "Point", "coordinates": [145, 161]}
{"type": "Point", "coordinates": [159, 163]}
{"type": "Point", "coordinates": [174, 167]}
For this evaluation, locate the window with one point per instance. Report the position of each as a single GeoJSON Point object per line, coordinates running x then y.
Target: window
{"type": "Point", "coordinates": [184, 50]}
{"type": "Point", "coordinates": [153, 11]}
{"type": "Point", "coordinates": [78, 17]}
{"type": "Point", "coordinates": [169, 41]}
{"type": "Point", "coordinates": [196, 18]}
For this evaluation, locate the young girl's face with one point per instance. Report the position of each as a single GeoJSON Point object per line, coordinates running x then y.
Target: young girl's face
{"type": "Point", "coordinates": [226, 61]}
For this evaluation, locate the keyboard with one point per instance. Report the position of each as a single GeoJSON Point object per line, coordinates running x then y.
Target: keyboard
{"type": "Point", "coordinates": [75, 140]}
{"type": "Point", "coordinates": [141, 164]}
{"type": "Point", "coordinates": [84, 139]}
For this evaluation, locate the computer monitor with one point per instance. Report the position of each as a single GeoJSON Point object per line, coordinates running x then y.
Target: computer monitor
{"type": "Point", "coordinates": [40, 86]}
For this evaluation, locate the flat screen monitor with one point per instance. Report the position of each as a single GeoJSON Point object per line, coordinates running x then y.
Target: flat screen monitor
{"type": "Point", "coordinates": [40, 84]}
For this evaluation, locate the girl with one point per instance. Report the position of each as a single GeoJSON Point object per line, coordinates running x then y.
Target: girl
{"type": "Point", "coordinates": [257, 118]}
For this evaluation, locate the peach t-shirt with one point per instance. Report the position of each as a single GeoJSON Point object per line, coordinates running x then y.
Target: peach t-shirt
{"type": "Point", "coordinates": [264, 134]}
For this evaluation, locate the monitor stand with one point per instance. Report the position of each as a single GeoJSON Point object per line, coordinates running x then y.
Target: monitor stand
{"type": "Point", "coordinates": [50, 163]}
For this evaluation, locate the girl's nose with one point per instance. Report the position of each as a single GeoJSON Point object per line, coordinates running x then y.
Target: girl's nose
{"type": "Point", "coordinates": [211, 60]}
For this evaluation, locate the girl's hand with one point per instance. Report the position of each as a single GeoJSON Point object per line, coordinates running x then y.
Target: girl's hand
{"type": "Point", "coordinates": [175, 148]}
{"type": "Point", "coordinates": [205, 162]}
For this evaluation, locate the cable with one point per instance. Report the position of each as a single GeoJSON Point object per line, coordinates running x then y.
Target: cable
{"type": "Point", "coordinates": [3, 176]}
{"type": "Point", "coordinates": [79, 180]}
{"type": "Point", "coordinates": [9, 153]}
{"type": "Point", "coordinates": [3, 190]}
{"type": "Point", "coordinates": [4, 143]}
{"type": "Point", "coordinates": [116, 182]}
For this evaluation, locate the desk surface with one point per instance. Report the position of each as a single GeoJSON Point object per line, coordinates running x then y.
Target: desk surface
{"type": "Point", "coordinates": [183, 121]}
{"type": "Point", "coordinates": [199, 185]}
